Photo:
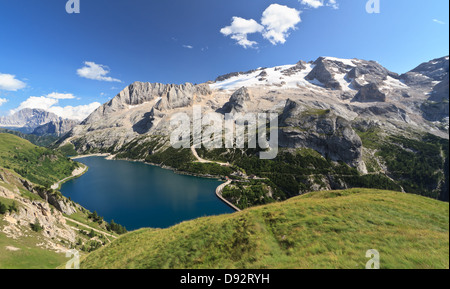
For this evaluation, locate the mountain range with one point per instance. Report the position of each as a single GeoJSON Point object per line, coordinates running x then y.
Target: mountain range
{"type": "Point", "coordinates": [350, 111]}
{"type": "Point", "coordinates": [362, 92]}
{"type": "Point", "coordinates": [38, 122]}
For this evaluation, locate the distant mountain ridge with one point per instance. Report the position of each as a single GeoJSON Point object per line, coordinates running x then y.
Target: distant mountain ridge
{"type": "Point", "coordinates": [37, 121]}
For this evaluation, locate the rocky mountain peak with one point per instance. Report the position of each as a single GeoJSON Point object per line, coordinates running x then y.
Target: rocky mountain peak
{"type": "Point", "coordinates": [435, 69]}
{"type": "Point", "coordinates": [237, 102]}
{"type": "Point", "coordinates": [162, 96]}
{"type": "Point", "coordinates": [325, 70]}
{"type": "Point", "coordinates": [427, 73]}
{"type": "Point", "coordinates": [26, 120]}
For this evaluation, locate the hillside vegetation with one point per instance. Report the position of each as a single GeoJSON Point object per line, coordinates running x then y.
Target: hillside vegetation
{"type": "Point", "coordinates": [35, 221]}
{"type": "Point", "coordinates": [43, 141]}
{"type": "Point", "coordinates": [39, 165]}
{"type": "Point", "coordinates": [416, 165]}
{"type": "Point", "coordinates": [318, 230]}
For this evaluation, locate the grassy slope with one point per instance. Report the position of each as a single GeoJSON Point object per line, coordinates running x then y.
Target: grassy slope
{"type": "Point", "coordinates": [29, 256]}
{"type": "Point", "coordinates": [39, 165]}
{"type": "Point", "coordinates": [43, 141]}
{"type": "Point", "coordinates": [317, 230]}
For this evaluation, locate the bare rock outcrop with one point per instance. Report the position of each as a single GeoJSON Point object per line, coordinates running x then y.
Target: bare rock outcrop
{"type": "Point", "coordinates": [28, 211]}
{"type": "Point", "coordinates": [323, 131]}
{"type": "Point", "coordinates": [369, 72]}
{"type": "Point", "coordinates": [164, 96]}
{"type": "Point", "coordinates": [436, 69]}
{"type": "Point", "coordinates": [55, 128]}
{"type": "Point", "coordinates": [370, 93]}
{"type": "Point", "coordinates": [237, 101]}
{"type": "Point", "coordinates": [324, 71]}
{"type": "Point", "coordinates": [441, 91]}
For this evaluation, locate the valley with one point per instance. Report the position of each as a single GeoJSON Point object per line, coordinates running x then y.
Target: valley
{"type": "Point", "coordinates": [362, 155]}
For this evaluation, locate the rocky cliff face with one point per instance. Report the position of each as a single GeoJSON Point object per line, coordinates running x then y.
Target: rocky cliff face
{"type": "Point", "coordinates": [325, 70]}
{"type": "Point", "coordinates": [61, 204]}
{"type": "Point", "coordinates": [370, 93]}
{"type": "Point", "coordinates": [28, 211]}
{"type": "Point", "coordinates": [164, 97]}
{"type": "Point", "coordinates": [237, 102]}
{"type": "Point", "coordinates": [55, 128]}
{"type": "Point", "coordinates": [436, 69]}
{"type": "Point", "coordinates": [433, 74]}
{"type": "Point", "coordinates": [135, 111]}
{"type": "Point", "coordinates": [440, 91]}
{"type": "Point", "coordinates": [322, 131]}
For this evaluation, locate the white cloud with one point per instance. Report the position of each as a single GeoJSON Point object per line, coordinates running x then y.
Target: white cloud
{"type": "Point", "coordinates": [36, 102]}
{"type": "Point", "coordinates": [56, 95]}
{"type": "Point", "coordinates": [439, 21]}
{"type": "Point", "coordinates": [10, 83]}
{"type": "Point", "coordinates": [188, 46]}
{"type": "Point", "coordinates": [333, 4]}
{"type": "Point", "coordinates": [320, 3]}
{"type": "Point", "coordinates": [79, 112]}
{"type": "Point", "coordinates": [49, 103]}
{"type": "Point", "coordinates": [278, 20]}
{"type": "Point", "coordinates": [92, 70]}
{"type": "Point", "coordinates": [312, 3]}
{"type": "Point", "coordinates": [2, 101]}
{"type": "Point", "coordinates": [240, 28]}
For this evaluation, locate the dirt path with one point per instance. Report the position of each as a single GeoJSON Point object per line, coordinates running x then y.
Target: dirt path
{"type": "Point", "coordinates": [89, 227]}
{"type": "Point", "coordinates": [222, 186]}
{"type": "Point", "coordinates": [200, 160]}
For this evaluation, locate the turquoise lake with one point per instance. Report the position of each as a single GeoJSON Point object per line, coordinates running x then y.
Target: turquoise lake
{"type": "Point", "coordinates": [137, 195]}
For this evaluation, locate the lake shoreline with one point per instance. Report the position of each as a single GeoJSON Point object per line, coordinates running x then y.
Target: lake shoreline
{"type": "Point", "coordinates": [90, 155]}
{"type": "Point", "coordinates": [113, 157]}
{"type": "Point", "coordinates": [137, 194]}
{"type": "Point", "coordinates": [109, 156]}
{"type": "Point", "coordinates": [75, 174]}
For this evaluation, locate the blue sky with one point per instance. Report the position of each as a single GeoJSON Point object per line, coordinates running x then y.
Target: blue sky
{"type": "Point", "coordinates": [74, 62]}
